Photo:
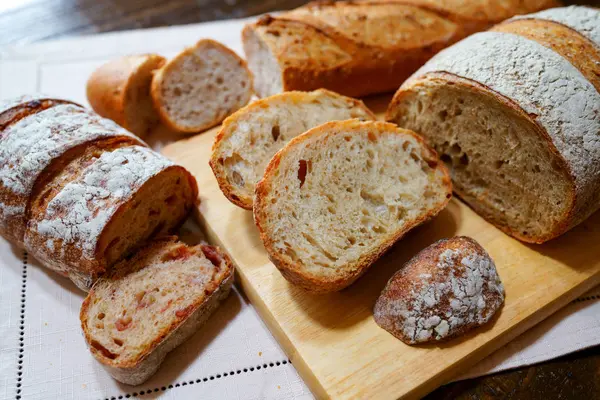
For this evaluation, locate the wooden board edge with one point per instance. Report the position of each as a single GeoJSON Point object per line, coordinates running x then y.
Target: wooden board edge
{"type": "Point", "coordinates": [259, 305]}
{"type": "Point", "coordinates": [505, 338]}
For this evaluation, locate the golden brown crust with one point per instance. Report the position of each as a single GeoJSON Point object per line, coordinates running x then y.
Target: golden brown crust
{"type": "Point", "coordinates": [429, 269]}
{"type": "Point", "coordinates": [108, 86]}
{"type": "Point", "coordinates": [220, 281]}
{"type": "Point", "coordinates": [219, 171]}
{"type": "Point", "coordinates": [365, 47]}
{"type": "Point", "coordinates": [482, 90]}
{"type": "Point", "coordinates": [157, 82]}
{"type": "Point", "coordinates": [294, 272]}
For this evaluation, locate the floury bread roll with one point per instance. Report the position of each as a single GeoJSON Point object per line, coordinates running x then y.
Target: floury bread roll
{"type": "Point", "coordinates": [515, 113]}
{"type": "Point", "coordinates": [358, 48]}
{"type": "Point", "coordinates": [79, 192]}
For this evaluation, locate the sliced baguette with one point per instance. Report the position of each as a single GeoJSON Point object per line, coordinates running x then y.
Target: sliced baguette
{"type": "Point", "coordinates": [338, 196]}
{"type": "Point", "coordinates": [151, 303]}
{"type": "Point", "coordinates": [249, 138]}
{"type": "Point", "coordinates": [120, 90]}
{"type": "Point", "coordinates": [200, 87]}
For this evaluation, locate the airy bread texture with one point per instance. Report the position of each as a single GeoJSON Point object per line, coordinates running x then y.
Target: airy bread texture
{"type": "Point", "coordinates": [448, 289]}
{"type": "Point", "coordinates": [249, 138]}
{"type": "Point", "coordinates": [151, 304]}
{"type": "Point", "coordinates": [120, 90]}
{"type": "Point", "coordinates": [337, 197]}
{"type": "Point", "coordinates": [363, 47]}
{"type": "Point", "coordinates": [200, 87]}
{"type": "Point", "coordinates": [515, 114]}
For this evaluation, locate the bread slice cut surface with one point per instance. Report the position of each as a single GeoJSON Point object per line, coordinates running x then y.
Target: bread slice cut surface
{"type": "Point", "coordinates": [151, 303]}
{"type": "Point", "coordinates": [200, 87]}
{"type": "Point", "coordinates": [338, 196]}
{"type": "Point", "coordinates": [250, 137]}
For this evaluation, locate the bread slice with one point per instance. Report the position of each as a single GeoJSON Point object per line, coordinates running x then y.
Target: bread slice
{"type": "Point", "coordinates": [151, 303]}
{"type": "Point", "coordinates": [338, 196]}
{"type": "Point", "coordinates": [200, 87]}
{"type": "Point", "coordinates": [120, 90]}
{"type": "Point", "coordinates": [448, 289]}
{"type": "Point", "coordinates": [249, 138]}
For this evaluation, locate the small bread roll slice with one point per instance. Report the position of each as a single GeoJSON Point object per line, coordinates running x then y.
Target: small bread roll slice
{"type": "Point", "coordinates": [120, 90]}
{"type": "Point", "coordinates": [200, 87]}
{"type": "Point", "coordinates": [249, 138]}
{"type": "Point", "coordinates": [337, 197]}
{"type": "Point", "coordinates": [151, 304]}
{"type": "Point", "coordinates": [448, 289]}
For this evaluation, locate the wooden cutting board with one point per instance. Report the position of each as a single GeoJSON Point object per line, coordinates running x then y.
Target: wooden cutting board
{"type": "Point", "coordinates": [333, 340]}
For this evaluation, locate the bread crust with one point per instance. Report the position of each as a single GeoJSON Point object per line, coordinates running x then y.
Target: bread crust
{"type": "Point", "coordinates": [157, 82]}
{"type": "Point", "coordinates": [293, 97]}
{"type": "Point", "coordinates": [294, 272]}
{"type": "Point", "coordinates": [108, 87]}
{"type": "Point", "coordinates": [427, 269]}
{"type": "Point", "coordinates": [355, 65]}
{"type": "Point", "coordinates": [14, 110]}
{"type": "Point", "coordinates": [145, 365]}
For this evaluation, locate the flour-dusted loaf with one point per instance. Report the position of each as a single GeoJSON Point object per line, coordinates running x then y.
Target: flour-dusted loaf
{"type": "Point", "coordinates": [249, 138]}
{"type": "Point", "coordinates": [79, 192]}
{"type": "Point", "coordinates": [33, 147]}
{"type": "Point", "coordinates": [363, 47]}
{"type": "Point", "coordinates": [120, 90]}
{"type": "Point", "coordinates": [515, 113]}
{"type": "Point", "coordinates": [14, 109]}
{"type": "Point", "coordinates": [151, 303]}
{"type": "Point", "coordinates": [107, 211]}
{"type": "Point", "coordinates": [334, 199]}
{"type": "Point", "coordinates": [446, 290]}
{"type": "Point", "coordinates": [200, 87]}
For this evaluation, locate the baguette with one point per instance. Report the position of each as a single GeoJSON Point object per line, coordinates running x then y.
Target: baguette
{"type": "Point", "coordinates": [249, 138]}
{"type": "Point", "coordinates": [120, 90]}
{"type": "Point", "coordinates": [448, 289]}
{"type": "Point", "coordinates": [515, 113]}
{"type": "Point", "coordinates": [151, 304]}
{"type": "Point", "coordinates": [200, 87]}
{"type": "Point", "coordinates": [334, 199]}
{"type": "Point", "coordinates": [358, 48]}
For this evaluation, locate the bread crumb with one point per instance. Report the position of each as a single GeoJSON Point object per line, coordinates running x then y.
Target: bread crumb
{"type": "Point", "coordinates": [260, 353]}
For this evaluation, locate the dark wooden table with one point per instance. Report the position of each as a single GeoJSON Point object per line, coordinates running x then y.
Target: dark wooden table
{"type": "Point", "coordinates": [576, 376]}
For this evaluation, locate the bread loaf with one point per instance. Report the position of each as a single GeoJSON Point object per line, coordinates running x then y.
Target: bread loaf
{"type": "Point", "coordinates": [335, 198]}
{"type": "Point", "coordinates": [35, 145]}
{"type": "Point", "coordinates": [358, 48]}
{"type": "Point", "coordinates": [120, 90]}
{"type": "Point", "coordinates": [249, 138]}
{"type": "Point", "coordinates": [79, 192]}
{"type": "Point", "coordinates": [515, 113]}
{"type": "Point", "coordinates": [200, 87]}
{"type": "Point", "coordinates": [448, 289]}
{"type": "Point", "coordinates": [151, 303]}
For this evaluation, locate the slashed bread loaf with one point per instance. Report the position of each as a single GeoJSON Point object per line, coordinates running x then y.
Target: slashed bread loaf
{"type": "Point", "coordinates": [448, 289]}
{"type": "Point", "coordinates": [200, 87]}
{"type": "Point", "coordinates": [120, 90]}
{"type": "Point", "coordinates": [337, 197]}
{"type": "Point", "coordinates": [249, 138]}
{"type": "Point", "coordinates": [79, 192]}
{"type": "Point", "coordinates": [515, 113]}
{"type": "Point", "coordinates": [151, 303]}
{"type": "Point", "coordinates": [14, 109]}
{"type": "Point", "coordinates": [363, 47]}
{"type": "Point", "coordinates": [36, 144]}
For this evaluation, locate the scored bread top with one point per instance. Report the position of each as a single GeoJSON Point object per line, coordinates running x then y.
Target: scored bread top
{"type": "Point", "coordinates": [78, 214]}
{"type": "Point", "coordinates": [444, 291]}
{"type": "Point", "coordinates": [338, 196]}
{"type": "Point", "coordinates": [32, 144]}
{"type": "Point", "coordinates": [251, 136]}
{"type": "Point", "coordinates": [14, 109]}
{"type": "Point", "coordinates": [147, 298]}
